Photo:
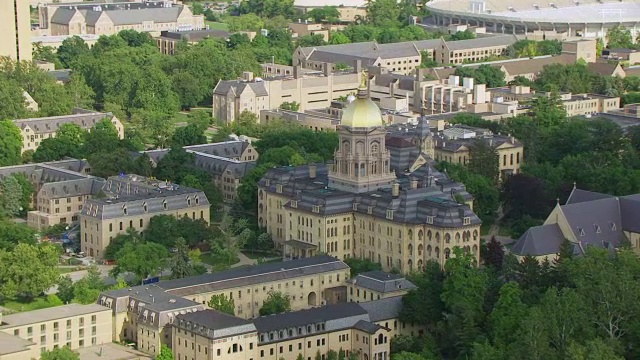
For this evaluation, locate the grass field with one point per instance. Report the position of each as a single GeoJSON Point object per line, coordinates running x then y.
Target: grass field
{"type": "Point", "coordinates": [37, 303]}
{"type": "Point", "coordinates": [218, 263]}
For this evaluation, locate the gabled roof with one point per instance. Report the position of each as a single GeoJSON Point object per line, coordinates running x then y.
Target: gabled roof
{"type": "Point", "coordinates": [382, 282]}
{"type": "Point", "coordinates": [310, 316]}
{"type": "Point", "coordinates": [539, 240]}
{"type": "Point", "coordinates": [487, 41]}
{"type": "Point", "coordinates": [579, 195]}
{"type": "Point", "coordinates": [630, 210]}
{"type": "Point", "coordinates": [596, 223]}
{"type": "Point", "coordinates": [604, 69]}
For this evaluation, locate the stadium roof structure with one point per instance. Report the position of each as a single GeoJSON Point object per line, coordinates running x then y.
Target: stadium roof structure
{"type": "Point", "coordinates": [534, 11]}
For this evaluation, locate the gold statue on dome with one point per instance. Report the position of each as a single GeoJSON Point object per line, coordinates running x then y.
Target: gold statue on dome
{"type": "Point", "coordinates": [363, 79]}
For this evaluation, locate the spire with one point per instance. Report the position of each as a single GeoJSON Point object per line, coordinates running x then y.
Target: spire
{"type": "Point", "coordinates": [363, 90]}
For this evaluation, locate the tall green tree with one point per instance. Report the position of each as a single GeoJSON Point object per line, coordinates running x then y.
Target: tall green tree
{"type": "Point", "coordinates": [222, 303]}
{"type": "Point", "coordinates": [180, 262]}
{"type": "Point", "coordinates": [10, 143]}
{"type": "Point", "coordinates": [141, 259]}
{"type": "Point", "coordinates": [276, 303]}
{"type": "Point", "coordinates": [16, 279]}
{"type": "Point", "coordinates": [483, 160]}
{"type": "Point", "coordinates": [11, 197]}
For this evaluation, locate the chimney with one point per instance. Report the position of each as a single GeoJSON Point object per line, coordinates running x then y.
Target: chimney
{"type": "Point", "coordinates": [357, 67]}
{"type": "Point", "coordinates": [327, 69]}
{"type": "Point", "coordinates": [395, 189]}
{"type": "Point", "coordinates": [413, 184]}
{"type": "Point", "coordinates": [296, 72]}
{"type": "Point", "coordinates": [312, 171]}
{"type": "Point", "coordinates": [247, 76]}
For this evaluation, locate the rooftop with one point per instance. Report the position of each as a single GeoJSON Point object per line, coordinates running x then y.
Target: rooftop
{"type": "Point", "coordinates": [253, 275]}
{"type": "Point", "coordinates": [10, 344]}
{"type": "Point", "coordinates": [213, 319]}
{"type": "Point", "coordinates": [308, 316]}
{"type": "Point", "coordinates": [57, 312]}
{"type": "Point", "coordinates": [382, 282]}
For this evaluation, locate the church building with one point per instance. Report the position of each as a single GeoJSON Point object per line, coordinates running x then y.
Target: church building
{"type": "Point", "coordinates": [381, 198]}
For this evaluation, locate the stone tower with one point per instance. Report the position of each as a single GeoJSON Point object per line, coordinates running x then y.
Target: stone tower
{"type": "Point", "coordinates": [362, 159]}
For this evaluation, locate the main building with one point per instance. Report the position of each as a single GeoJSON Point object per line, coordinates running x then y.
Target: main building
{"type": "Point", "coordinates": [375, 201]}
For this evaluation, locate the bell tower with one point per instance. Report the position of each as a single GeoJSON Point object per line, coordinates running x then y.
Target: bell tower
{"type": "Point", "coordinates": [362, 161]}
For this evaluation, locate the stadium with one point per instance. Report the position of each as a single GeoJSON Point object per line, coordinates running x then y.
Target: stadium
{"type": "Point", "coordinates": [575, 18]}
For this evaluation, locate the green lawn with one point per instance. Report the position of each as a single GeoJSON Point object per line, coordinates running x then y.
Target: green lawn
{"type": "Point", "coordinates": [218, 263]}
{"type": "Point", "coordinates": [255, 255]}
{"type": "Point", "coordinates": [18, 305]}
{"type": "Point", "coordinates": [66, 270]}
{"type": "Point", "coordinates": [216, 25]}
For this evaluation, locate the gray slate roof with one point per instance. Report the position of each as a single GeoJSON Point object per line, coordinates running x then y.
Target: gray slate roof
{"type": "Point", "coordinates": [539, 240]}
{"type": "Point", "coordinates": [85, 120]}
{"type": "Point", "coordinates": [135, 192]}
{"type": "Point", "coordinates": [310, 316]}
{"type": "Point", "coordinates": [487, 41]}
{"type": "Point", "coordinates": [119, 15]}
{"type": "Point", "coordinates": [579, 195]}
{"type": "Point", "coordinates": [382, 282]}
{"type": "Point", "coordinates": [237, 87]}
{"type": "Point", "coordinates": [253, 275]}
{"type": "Point", "coordinates": [214, 324]}
{"type": "Point", "coordinates": [383, 309]}
{"type": "Point", "coordinates": [594, 219]}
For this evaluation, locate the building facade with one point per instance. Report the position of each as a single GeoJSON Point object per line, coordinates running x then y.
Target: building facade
{"type": "Point", "coordinates": [15, 30]}
{"type": "Point", "coordinates": [311, 90]}
{"type": "Point", "coordinates": [376, 201]}
{"type": "Point", "coordinates": [34, 130]}
{"type": "Point", "coordinates": [306, 333]}
{"type": "Point", "coordinates": [143, 315]}
{"type": "Point", "coordinates": [586, 219]}
{"type": "Point", "coordinates": [106, 18]}
{"type": "Point", "coordinates": [130, 201]}
{"type": "Point", "coordinates": [227, 162]}
{"type": "Point", "coordinates": [61, 187]}
{"type": "Point", "coordinates": [309, 282]}
{"type": "Point", "coordinates": [376, 285]}
{"type": "Point", "coordinates": [75, 326]}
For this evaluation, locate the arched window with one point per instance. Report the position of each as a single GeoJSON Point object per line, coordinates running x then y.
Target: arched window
{"type": "Point", "coordinates": [429, 250]}
{"type": "Point", "coordinates": [447, 253]}
{"type": "Point", "coordinates": [429, 235]}
{"type": "Point", "coordinates": [410, 234]}
{"type": "Point", "coordinates": [420, 235]}
{"type": "Point", "coordinates": [420, 249]}
{"type": "Point", "coordinates": [437, 252]}
{"type": "Point", "coordinates": [410, 248]}
{"type": "Point", "coordinates": [447, 238]}
{"type": "Point", "coordinates": [457, 238]}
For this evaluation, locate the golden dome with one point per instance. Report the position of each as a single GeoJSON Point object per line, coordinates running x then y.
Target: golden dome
{"type": "Point", "coordinates": [362, 112]}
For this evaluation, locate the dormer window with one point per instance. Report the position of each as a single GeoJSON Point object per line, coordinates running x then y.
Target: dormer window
{"type": "Point", "coordinates": [188, 201]}
{"type": "Point", "coordinates": [370, 210]}
{"type": "Point", "coordinates": [316, 209]}
{"type": "Point", "coordinates": [279, 189]}
{"type": "Point", "coordinates": [612, 225]}
{"type": "Point", "coordinates": [144, 207]}
{"type": "Point", "coordinates": [466, 220]}
{"type": "Point", "coordinates": [124, 209]}
{"type": "Point", "coordinates": [429, 219]}
{"type": "Point", "coordinates": [581, 231]}
{"type": "Point", "coordinates": [355, 206]}
{"type": "Point", "coordinates": [596, 227]}
{"type": "Point", "coordinates": [390, 214]}
{"type": "Point", "coordinates": [196, 199]}
{"type": "Point", "coordinates": [267, 182]}
{"type": "Point", "coordinates": [164, 204]}
{"type": "Point", "coordinates": [294, 203]}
